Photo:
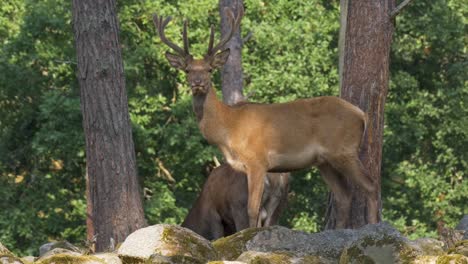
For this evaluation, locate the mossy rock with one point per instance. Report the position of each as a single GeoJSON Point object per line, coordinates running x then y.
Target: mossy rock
{"type": "Point", "coordinates": [379, 248]}
{"type": "Point", "coordinates": [108, 258]}
{"type": "Point", "coordinates": [225, 262]}
{"type": "Point", "coordinates": [174, 243]}
{"type": "Point", "coordinates": [461, 247]}
{"type": "Point", "coordinates": [429, 246]}
{"type": "Point", "coordinates": [253, 257]}
{"type": "Point", "coordinates": [64, 258]}
{"type": "Point", "coordinates": [4, 251]}
{"type": "Point", "coordinates": [444, 259]}
{"type": "Point", "coordinates": [58, 245]}
{"type": "Point", "coordinates": [28, 259]}
{"type": "Point", "coordinates": [231, 247]}
{"type": "Point", "coordinates": [9, 259]}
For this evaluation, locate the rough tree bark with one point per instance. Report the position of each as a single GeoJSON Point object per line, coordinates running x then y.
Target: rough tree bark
{"type": "Point", "coordinates": [231, 74]}
{"type": "Point", "coordinates": [114, 194]}
{"type": "Point", "coordinates": [365, 38]}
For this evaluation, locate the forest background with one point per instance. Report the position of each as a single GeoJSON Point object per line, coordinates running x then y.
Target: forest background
{"type": "Point", "coordinates": [292, 53]}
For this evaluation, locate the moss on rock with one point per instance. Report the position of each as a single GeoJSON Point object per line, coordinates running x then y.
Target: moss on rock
{"type": "Point", "coordinates": [461, 247]}
{"type": "Point", "coordinates": [231, 247]}
{"type": "Point", "coordinates": [253, 257]}
{"type": "Point", "coordinates": [381, 249]}
{"type": "Point", "coordinates": [166, 244]}
{"type": "Point", "coordinates": [9, 259]}
{"type": "Point", "coordinates": [70, 259]}
{"type": "Point", "coordinates": [4, 251]}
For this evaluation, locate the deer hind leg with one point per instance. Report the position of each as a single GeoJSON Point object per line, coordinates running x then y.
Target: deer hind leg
{"type": "Point", "coordinates": [278, 197]}
{"type": "Point", "coordinates": [350, 166]}
{"type": "Point", "coordinates": [255, 182]}
{"type": "Point", "coordinates": [339, 187]}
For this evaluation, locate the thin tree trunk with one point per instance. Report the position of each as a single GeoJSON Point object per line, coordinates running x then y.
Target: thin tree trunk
{"type": "Point", "coordinates": [231, 74]}
{"type": "Point", "coordinates": [113, 185]}
{"type": "Point", "coordinates": [365, 39]}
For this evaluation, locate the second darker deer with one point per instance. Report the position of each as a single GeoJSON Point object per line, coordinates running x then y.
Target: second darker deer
{"type": "Point", "coordinates": [221, 208]}
{"type": "Point", "coordinates": [258, 138]}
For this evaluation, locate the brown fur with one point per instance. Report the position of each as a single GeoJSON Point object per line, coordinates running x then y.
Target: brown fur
{"type": "Point", "coordinates": [258, 138]}
{"type": "Point", "coordinates": [221, 208]}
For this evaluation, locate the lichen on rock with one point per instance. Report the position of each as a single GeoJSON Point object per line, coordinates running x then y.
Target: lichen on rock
{"type": "Point", "coordinates": [4, 251]}
{"type": "Point", "coordinates": [461, 247]}
{"type": "Point", "coordinates": [428, 246]}
{"type": "Point", "coordinates": [173, 242]}
{"type": "Point", "coordinates": [9, 259]}
{"type": "Point", "coordinates": [65, 258]}
{"type": "Point", "coordinates": [443, 259]}
{"type": "Point", "coordinates": [231, 247]}
{"type": "Point", "coordinates": [380, 248]}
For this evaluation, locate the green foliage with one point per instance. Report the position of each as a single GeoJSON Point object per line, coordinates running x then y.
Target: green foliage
{"type": "Point", "coordinates": [292, 54]}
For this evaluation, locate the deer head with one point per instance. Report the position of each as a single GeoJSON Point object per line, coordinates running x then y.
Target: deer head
{"type": "Point", "coordinates": [199, 70]}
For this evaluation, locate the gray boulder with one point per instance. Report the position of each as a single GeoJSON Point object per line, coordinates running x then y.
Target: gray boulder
{"type": "Point", "coordinates": [165, 244]}
{"type": "Point", "coordinates": [328, 244]}
{"type": "Point", "coordinates": [57, 244]}
{"type": "Point", "coordinates": [463, 225]}
{"type": "Point", "coordinates": [108, 258]}
{"type": "Point", "coordinates": [428, 246]}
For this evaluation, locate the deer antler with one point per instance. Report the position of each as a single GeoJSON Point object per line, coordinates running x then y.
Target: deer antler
{"type": "Point", "coordinates": [161, 24]}
{"type": "Point", "coordinates": [234, 26]}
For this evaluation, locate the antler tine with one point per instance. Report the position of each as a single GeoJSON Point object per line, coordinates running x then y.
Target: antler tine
{"type": "Point", "coordinates": [210, 44]}
{"type": "Point", "coordinates": [160, 26]}
{"type": "Point", "coordinates": [227, 37]}
{"type": "Point", "coordinates": [186, 43]}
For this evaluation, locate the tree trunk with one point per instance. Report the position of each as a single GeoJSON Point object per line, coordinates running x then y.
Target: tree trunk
{"type": "Point", "coordinates": [116, 207]}
{"type": "Point", "coordinates": [365, 38]}
{"type": "Point", "coordinates": [231, 74]}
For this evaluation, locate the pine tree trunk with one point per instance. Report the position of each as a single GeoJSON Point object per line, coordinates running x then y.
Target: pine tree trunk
{"type": "Point", "coordinates": [365, 39]}
{"type": "Point", "coordinates": [231, 74]}
{"type": "Point", "coordinates": [113, 184]}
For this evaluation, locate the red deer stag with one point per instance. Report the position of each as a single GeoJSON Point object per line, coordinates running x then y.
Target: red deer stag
{"type": "Point", "coordinates": [257, 138]}
{"type": "Point", "coordinates": [221, 208]}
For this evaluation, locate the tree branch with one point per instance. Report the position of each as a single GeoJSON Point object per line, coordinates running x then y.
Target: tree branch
{"type": "Point", "coordinates": [398, 9]}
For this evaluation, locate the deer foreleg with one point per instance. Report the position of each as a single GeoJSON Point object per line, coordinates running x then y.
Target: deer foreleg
{"type": "Point", "coordinates": [255, 182]}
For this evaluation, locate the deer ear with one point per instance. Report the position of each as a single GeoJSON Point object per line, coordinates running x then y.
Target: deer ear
{"type": "Point", "coordinates": [176, 61]}
{"type": "Point", "coordinates": [220, 58]}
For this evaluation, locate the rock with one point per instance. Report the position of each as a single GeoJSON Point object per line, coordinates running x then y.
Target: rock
{"type": "Point", "coordinates": [57, 251]}
{"type": "Point", "coordinates": [444, 259]}
{"type": "Point", "coordinates": [108, 258]}
{"type": "Point", "coordinates": [28, 259]}
{"type": "Point", "coordinates": [463, 225]}
{"type": "Point", "coordinates": [328, 244]}
{"type": "Point", "coordinates": [225, 262]}
{"type": "Point", "coordinates": [173, 243]}
{"type": "Point", "coordinates": [65, 258]}
{"type": "Point", "coordinates": [252, 257]}
{"type": "Point", "coordinates": [460, 247]}
{"type": "Point", "coordinates": [9, 259]}
{"type": "Point", "coordinates": [386, 245]}
{"type": "Point", "coordinates": [4, 251]}
{"type": "Point", "coordinates": [428, 246]}
{"type": "Point", "coordinates": [57, 244]}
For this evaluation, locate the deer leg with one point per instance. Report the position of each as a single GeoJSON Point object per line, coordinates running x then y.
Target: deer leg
{"type": "Point", "coordinates": [350, 166]}
{"type": "Point", "coordinates": [255, 182]}
{"type": "Point", "coordinates": [241, 219]}
{"type": "Point", "coordinates": [278, 198]}
{"type": "Point", "coordinates": [339, 187]}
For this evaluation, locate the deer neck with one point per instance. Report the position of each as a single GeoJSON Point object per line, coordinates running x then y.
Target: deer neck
{"type": "Point", "coordinates": [211, 115]}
